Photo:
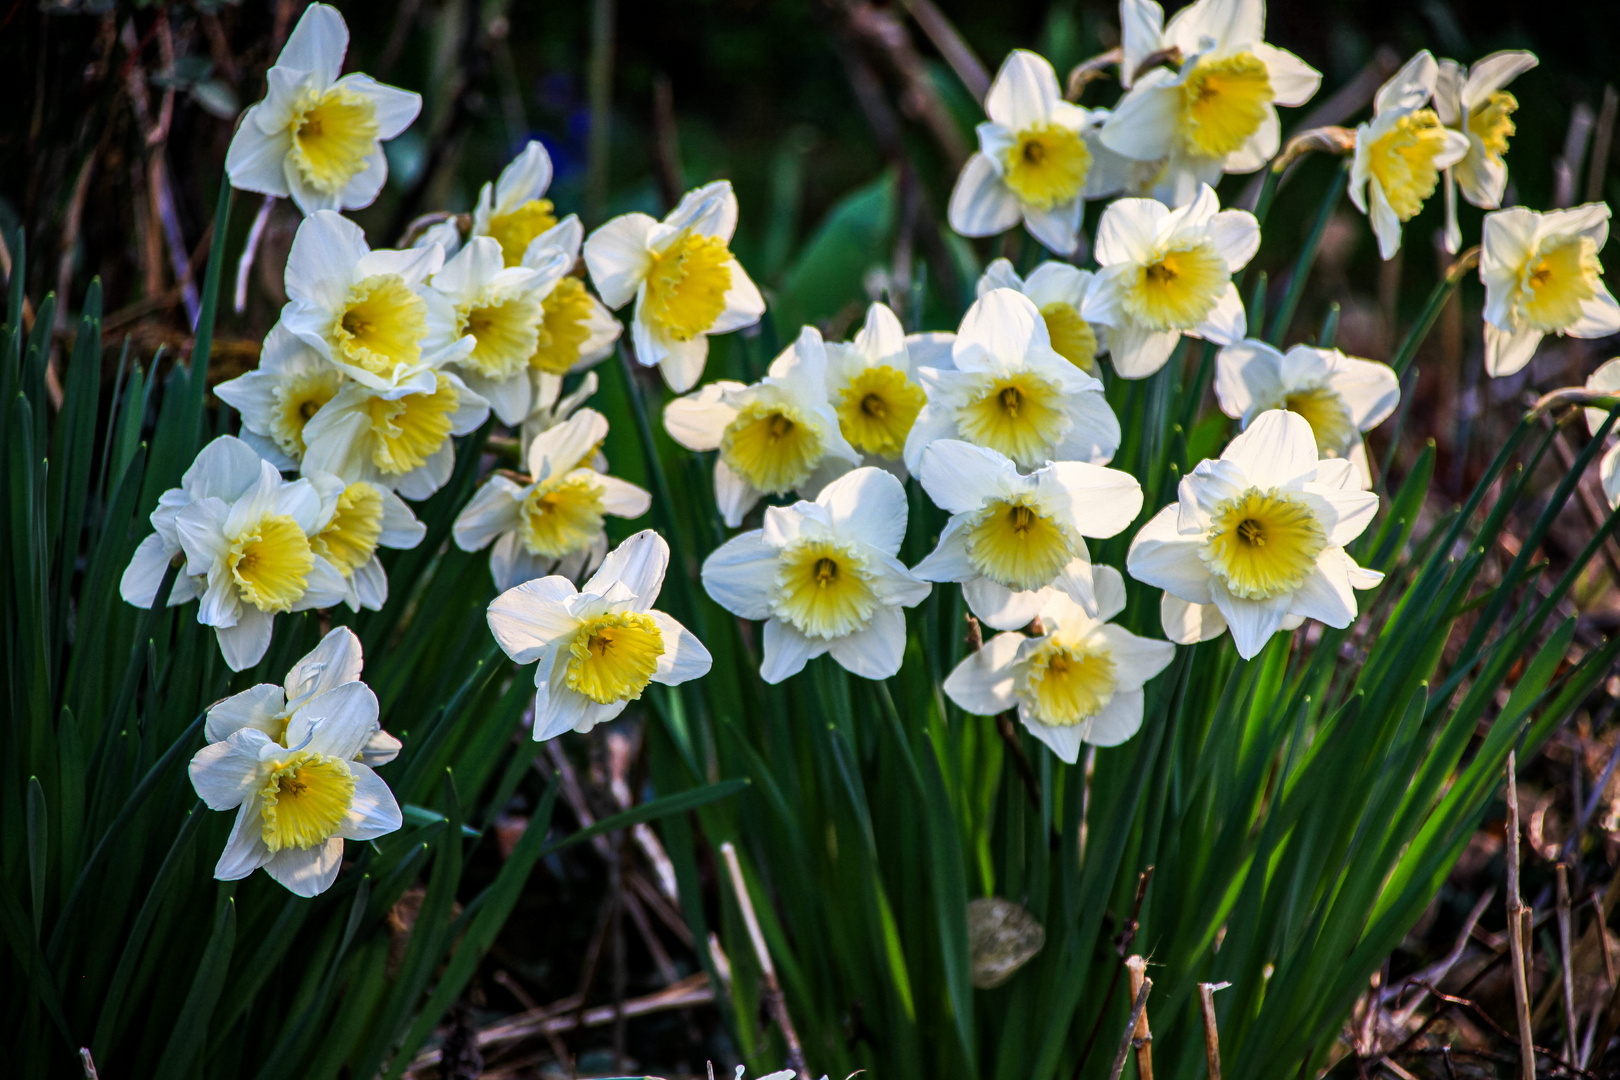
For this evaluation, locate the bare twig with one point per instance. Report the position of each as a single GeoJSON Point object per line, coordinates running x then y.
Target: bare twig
{"type": "Point", "coordinates": [773, 989]}
{"type": "Point", "coordinates": [666, 143]}
{"type": "Point", "coordinates": [962, 59]}
{"type": "Point", "coordinates": [1015, 747]}
{"type": "Point", "coordinates": [1137, 1009]}
{"type": "Point", "coordinates": [1516, 928]}
{"type": "Point", "coordinates": [1089, 71]}
{"type": "Point", "coordinates": [1142, 1040]}
{"type": "Point", "coordinates": [1568, 163]}
{"type": "Point", "coordinates": [1571, 1047]}
{"type": "Point", "coordinates": [1437, 971]}
{"type": "Point", "coordinates": [244, 265]}
{"type": "Point", "coordinates": [1122, 945]}
{"type": "Point", "coordinates": [1602, 142]}
{"type": "Point", "coordinates": [1212, 1034]}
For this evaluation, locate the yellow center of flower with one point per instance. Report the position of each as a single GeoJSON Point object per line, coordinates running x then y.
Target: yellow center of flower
{"type": "Point", "coordinates": [772, 447]}
{"type": "Point", "coordinates": [687, 285]}
{"type": "Point", "coordinates": [505, 329]}
{"type": "Point", "coordinates": [270, 563]}
{"type": "Point", "coordinates": [613, 657]}
{"type": "Point", "coordinates": [297, 400]}
{"type": "Point", "coordinates": [1072, 337]}
{"type": "Point", "coordinates": [1021, 415]}
{"type": "Point", "coordinates": [332, 132]}
{"type": "Point", "coordinates": [1223, 103]}
{"type": "Point", "coordinates": [824, 589]}
{"type": "Point", "coordinates": [516, 229]}
{"type": "Point", "coordinates": [1069, 682]}
{"type": "Point", "coordinates": [1262, 544]}
{"type": "Point", "coordinates": [565, 327]}
{"type": "Point", "coordinates": [406, 431]}
{"type": "Point", "coordinates": [562, 516]}
{"type": "Point", "coordinates": [304, 800]}
{"type": "Point", "coordinates": [1328, 415]}
{"type": "Point", "coordinates": [350, 539]}
{"type": "Point", "coordinates": [1402, 161]}
{"type": "Point", "coordinates": [877, 409]}
{"type": "Point", "coordinates": [1180, 287]}
{"type": "Point", "coordinates": [382, 325]}
{"type": "Point", "coordinates": [1015, 543]}
{"type": "Point", "coordinates": [1558, 277]}
{"type": "Point", "coordinates": [1046, 165]}
{"type": "Point", "coordinates": [1493, 122]}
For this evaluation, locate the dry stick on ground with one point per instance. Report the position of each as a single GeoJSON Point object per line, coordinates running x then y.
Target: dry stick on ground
{"type": "Point", "coordinates": [1142, 1040]}
{"type": "Point", "coordinates": [1602, 928]}
{"type": "Point", "coordinates": [1437, 972]}
{"type": "Point", "coordinates": [1138, 1009]}
{"type": "Point", "coordinates": [773, 989]}
{"type": "Point", "coordinates": [1212, 1032]}
{"type": "Point", "coordinates": [1565, 955]}
{"type": "Point", "coordinates": [1459, 1002]}
{"type": "Point", "coordinates": [1515, 920]}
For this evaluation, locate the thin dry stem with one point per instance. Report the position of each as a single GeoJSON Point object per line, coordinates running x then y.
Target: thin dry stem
{"type": "Point", "coordinates": [1143, 1038]}
{"type": "Point", "coordinates": [1516, 912]}
{"type": "Point", "coordinates": [1212, 1033]}
{"type": "Point", "coordinates": [773, 989]}
{"type": "Point", "coordinates": [1137, 1010]}
{"type": "Point", "coordinates": [1565, 955]}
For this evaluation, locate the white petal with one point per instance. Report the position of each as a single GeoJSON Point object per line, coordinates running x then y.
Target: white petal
{"type": "Point", "coordinates": [1293, 81]}
{"type": "Point", "coordinates": [1003, 326]}
{"type": "Point", "coordinates": [681, 365]}
{"type": "Point", "coordinates": [1024, 92]}
{"type": "Point", "coordinates": [225, 773]}
{"type": "Point", "coordinates": [1252, 622]}
{"type": "Point", "coordinates": [244, 644]}
{"type": "Point", "coordinates": [374, 811]}
{"type": "Point", "coordinates": [1277, 450]}
{"type": "Point", "coordinates": [396, 109]}
{"type": "Point", "coordinates": [876, 651]}
{"type": "Point", "coordinates": [982, 683]}
{"type": "Point", "coordinates": [868, 504]}
{"type": "Point", "coordinates": [1058, 227]}
{"type": "Point", "coordinates": [1116, 722]}
{"type": "Point", "coordinates": [1325, 594]}
{"type": "Point", "coordinates": [639, 564]}
{"type": "Point", "coordinates": [531, 616]}
{"type": "Point", "coordinates": [1411, 86]}
{"type": "Point", "coordinates": [1141, 25]}
{"type": "Point", "coordinates": [1144, 123]}
{"type": "Point", "coordinates": [1188, 624]}
{"type": "Point", "coordinates": [258, 707]}
{"type": "Point", "coordinates": [999, 607]}
{"type": "Point", "coordinates": [684, 657]}
{"type": "Point", "coordinates": [1137, 352]}
{"type": "Point", "coordinates": [1508, 352]}
{"type": "Point", "coordinates": [959, 476]}
{"type": "Point", "coordinates": [144, 574]}
{"type": "Point", "coordinates": [733, 495]}
{"type": "Point", "coordinates": [1128, 230]}
{"type": "Point", "coordinates": [244, 849]}
{"type": "Point", "coordinates": [1369, 390]}
{"type": "Point", "coordinates": [324, 253]}
{"type": "Point", "coordinates": [255, 161]}
{"type": "Point", "coordinates": [1227, 321]}
{"type": "Point", "coordinates": [786, 651]}
{"type": "Point", "coordinates": [527, 177]}
{"type": "Point", "coordinates": [740, 575]}
{"type": "Point", "coordinates": [981, 203]}
{"type": "Point", "coordinates": [1162, 557]}
{"type": "Point", "coordinates": [317, 44]}
{"type": "Point", "coordinates": [697, 421]}
{"type": "Point", "coordinates": [307, 872]}
{"type": "Point", "coordinates": [1248, 376]}
{"type": "Point", "coordinates": [616, 255]}
{"type": "Point", "coordinates": [1237, 237]}
{"type": "Point", "coordinates": [1103, 501]}
{"type": "Point", "coordinates": [559, 450]}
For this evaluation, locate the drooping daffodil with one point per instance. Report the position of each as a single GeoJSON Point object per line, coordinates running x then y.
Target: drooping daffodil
{"type": "Point", "coordinates": [278, 399]}
{"type": "Point", "coordinates": [1058, 290]}
{"type": "Point", "coordinates": [1473, 101]}
{"type": "Point", "coordinates": [1606, 380]}
{"type": "Point", "coordinates": [872, 384]}
{"type": "Point", "coordinates": [356, 519]}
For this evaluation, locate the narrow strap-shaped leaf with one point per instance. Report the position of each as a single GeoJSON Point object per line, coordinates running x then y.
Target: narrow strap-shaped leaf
{"type": "Point", "coordinates": [14, 925]}
{"type": "Point", "coordinates": [191, 1026]}
{"type": "Point", "coordinates": [38, 839]}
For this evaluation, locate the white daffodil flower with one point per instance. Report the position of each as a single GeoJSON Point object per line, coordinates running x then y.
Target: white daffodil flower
{"type": "Point", "coordinates": [778, 435]}
{"type": "Point", "coordinates": [1059, 291]}
{"type": "Point", "coordinates": [686, 283]}
{"type": "Point", "coordinates": [1007, 389]}
{"type": "Point", "coordinates": [1401, 152]}
{"type": "Point", "coordinates": [1259, 535]}
{"type": "Point", "coordinates": [370, 313]}
{"type": "Point", "coordinates": [1165, 273]}
{"type": "Point", "coordinates": [1035, 162]}
{"type": "Point", "coordinates": [357, 519]}
{"type": "Point", "coordinates": [399, 440]}
{"type": "Point", "coordinates": [1339, 396]}
{"type": "Point", "coordinates": [278, 398]}
{"type": "Point", "coordinates": [825, 578]}
{"type": "Point", "coordinates": [872, 384]}
{"type": "Point", "coordinates": [1217, 114]}
{"type": "Point", "coordinates": [297, 799]}
{"type": "Point", "coordinates": [1080, 681]}
{"type": "Point", "coordinates": [501, 309]}
{"type": "Point", "coordinates": [577, 329]}
{"type": "Point", "coordinates": [1542, 276]}
{"type": "Point", "coordinates": [554, 523]}
{"type": "Point", "coordinates": [596, 649]}
{"type": "Point", "coordinates": [1010, 536]}
{"type": "Point", "coordinates": [513, 210]}
{"type": "Point", "coordinates": [1606, 380]}
{"type": "Point", "coordinates": [333, 665]}
{"type": "Point", "coordinates": [317, 137]}
{"type": "Point", "coordinates": [551, 407]}
{"type": "Point", "coordinates": [1472, 101]}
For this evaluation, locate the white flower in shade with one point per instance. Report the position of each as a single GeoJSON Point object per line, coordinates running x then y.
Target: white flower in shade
{"type": "Point", "coordinates": [1035, 160]}
{"type": "Point", "coordinates": [551, 407]}
{"type": "Point", "coordinates": [297, 799]}
{"type": "Point", "coordinates": [1059, 291]}
{"type": "Point", "coordinates": [332, 666]}
{"type": "Point", "coordinates": [553, 523]}
{"type": "Point", "coordinates": [775, 436]}
{"type": "Point", "coordinates": [513, 210]}
{"type": "Point", "coordinates": [1011, 536]}
{"type": "Point", "coordinates": [1542, 276]}
{"type": "Point", "coordinates": [445, 234]}
{"type": "Point", "coordinates": [1259, 534]}
{"type": "Point", "coordinates": [1007, 389]}
{"type": "Point", "coordinates": [1606, 380]}
{"type": "Point", "coordinates": [597, 648]}
{"type": "Point", "coordinates": [395, 439]}
{"type": "Point", "coordinates": [370, 313]}
{"type": "Point", "coordinates": [577, 330]}
{"type": "Point", "coordinates": [357, 519]}
{"type": "Point", "coordinates": [1472, 101]}
{"type": "Point", "coordinates": [873, 388]}
{"type": "Point", "coordinates": [279, 397]}
{"type": "Point", "coordinates": [1217, 114]}
{"type": "Point", "coordinates": [682, 276]}
{"type": "Point", "coordinates": [1339, 396]}
{"type": "Point", "coordinates": [825, 578]}
{"type": "Point", "coordinates": [1401, 152]}
{"type": "Point", "coordinates": [317, 137]}
{"type": "Point", "coordinates": [1080, 681]}
{"type": "Point", "coordinates": [1166, 273]}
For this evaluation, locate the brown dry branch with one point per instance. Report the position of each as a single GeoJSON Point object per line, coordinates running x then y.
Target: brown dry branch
{"type": "Point", "coordinates": [961, 58]}
{"type": "Point", "coordinates": [774, 1001]}
{"type": "Point", "coordinates": [1212, 1033]}
{"type": "Point", "coordinates": [1142, 1039]}
{"type": "Point", "coordinates": [1138, 1010]}
{"type": "Point", "coordinates": [1516, 912]}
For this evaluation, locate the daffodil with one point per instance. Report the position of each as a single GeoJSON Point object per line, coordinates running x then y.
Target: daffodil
{"type": "Point", "coordinates": [298, 798]}
{"type": "Point", "coordinates": [1009, 390]}
{"type": "Point", "coordinates": [514, 210]}
{"type": "Point", "coordinates": [1059, 291]}
{"type": "Point", "coordinates": [278, 398]}
{"type": "Point", "coordinates": [550, 406]}
{"type": "Point", "coordinates": [596, 649]}
{"type": "Point", "coordinates": [395, 439]}
{"type": "Point", "coordinates": [553, 523]}
{"type": "Point", "coordinates": [1010, 535]}
{"type": "Point", "coordinates": [1473, 101]}
{"type": "Point", "coordinates": [356, 519]}
{"type": "Point", "coordinates": [1339, 396]}
{"type": "Point", "coordinates": [1606, 380]}
{"type": "Point", "coordinates": [332, 667]}
{"type": "Point", "coordinates": [317, 137]}
{"type": "Point", "coordinates": [1259, 535]}
{"type": "Point", "coordinates": [872, 384]}
{"type": "Point", "coordinates": [686, 283]}
{"type": "Point", "coordinates": [1079, 681]}
{"type": "Point", "coordinates": [1166, 273]}
{"type": "Point", "coordinates": [576, 330]}
{"type": "Point", "coordinates": [1217, 113]}
{"type": "Point", "coordinates": [825, 578]}
{"type": "Point", "coordinates": [371, 314]}
{"type": "Point", "coordinates": [1401, 152]}
{"type": "Point", "coordinates": [1035, 161]}
{"type": "Point", "coordinates": [775, 436]}
{"type": "Point", "coordinates": [1542, 276]}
